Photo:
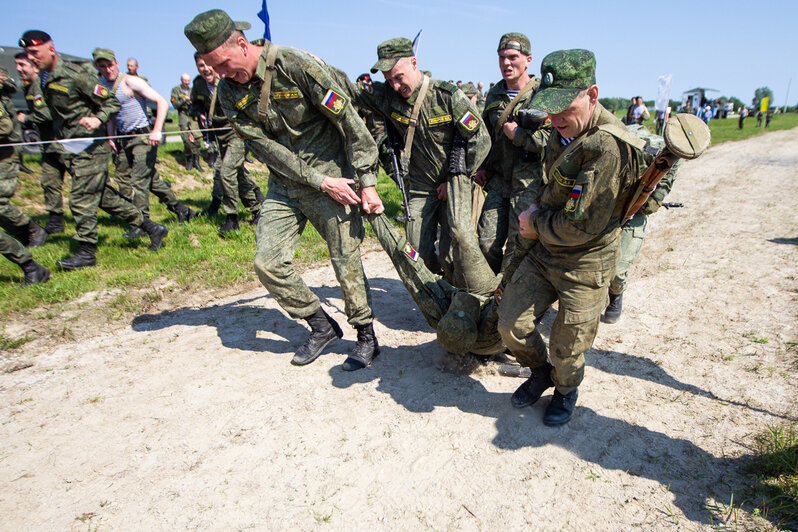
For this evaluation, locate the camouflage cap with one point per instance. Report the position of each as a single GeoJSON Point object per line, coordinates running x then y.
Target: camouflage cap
{"type": "Point", "coordinates": [564, 74]}
{"type": "Point", "coordinates": [210, 29]}
{"type": "Point", "coordinates": [469, 89]}
{"type": "Point", "coordinates": [103, 53]}
{"type": "Point", "coordinates": [391, 51]}
{"type": "Point", "coordinates": [515, 41]}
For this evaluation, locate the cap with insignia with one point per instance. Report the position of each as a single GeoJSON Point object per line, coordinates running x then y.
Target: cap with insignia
{"type": "Point", "coordinates": [564, 74]}
{"type": "Point", "coordinates": [211, 29]}
{"type": "Point", "coordinates": [391, 51]}
{"type": "Point", "coordinates": [515, 41]}
{"type": "Point", "coordinates": [103, 53]}
{"type": "Point", "coordinates": [34, 38]}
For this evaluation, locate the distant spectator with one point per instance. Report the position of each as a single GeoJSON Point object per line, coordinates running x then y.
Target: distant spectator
{"type": "Point", "coordinates": [743, 115]}
{"type": "Point", "coordinates": [768, 117]}
{"type": "Point", "coordinates": [706, 114]}
{"type": "Point", "coordinates": [637, 112]}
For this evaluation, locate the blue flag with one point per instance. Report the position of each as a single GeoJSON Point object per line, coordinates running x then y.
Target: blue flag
{"type": "Point", "coordinates": [263, 14]}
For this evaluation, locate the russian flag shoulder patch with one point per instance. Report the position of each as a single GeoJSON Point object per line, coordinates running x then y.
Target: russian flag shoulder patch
{"type": "Point", "coordinates": [333, 101]}
{"type": "Point", "coordinates": [469, 121]}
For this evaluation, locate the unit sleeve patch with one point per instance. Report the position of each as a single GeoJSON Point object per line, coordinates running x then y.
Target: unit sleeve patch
{"type": "Point", "coordinates": [469, 121]}
{"type": "Point", "coordinates": [100, 91]}
{"type": "Point", "coordinates": [334, 101]}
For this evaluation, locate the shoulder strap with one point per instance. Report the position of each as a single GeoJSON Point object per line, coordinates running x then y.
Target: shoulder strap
{"type": "Point", "coordinates": [623, 135]}
{"type": "Point", "coordinates": [213, 98]}
{"type": "Point", "coordinates": [411, 130]}
{"type": "Point", "coordinates": [266, 89]}
{"type": "Point", "coordinates": [532, 85]}
{"type": "Point", "coordinates": [119, 79]}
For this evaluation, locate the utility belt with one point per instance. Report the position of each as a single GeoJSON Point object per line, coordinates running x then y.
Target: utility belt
{"type": "Point", "coordinates": [123, 141]}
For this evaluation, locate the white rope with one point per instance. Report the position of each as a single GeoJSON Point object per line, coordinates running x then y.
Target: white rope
{"type": "Point", "coordinates": [92, 139]}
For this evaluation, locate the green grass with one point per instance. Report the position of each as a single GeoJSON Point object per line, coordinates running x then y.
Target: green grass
{"type": "Point", "coordinates": [775, 472]}
{"type": "Point", "coordinates": [726, 129]}
{"type": "Point", "coordinates": [194, 256]}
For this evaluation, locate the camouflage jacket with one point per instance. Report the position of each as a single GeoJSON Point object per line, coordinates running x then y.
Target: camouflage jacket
{"type": "Point", "coordinates": [180, 98]}
{"type": "Point", "coordinates": [71, 92]}
{"type": "Point", "coordinates": [310, 131]}
{"type": "Point", "coordinates": [9, 126]}
{"type": "Point", "coordinates": [445, 112]}
{"type": "Point", "coordinates": [512, 166]}
{"type": "Point", "coordinates": [580, 207]}
{"type": "Point", "coordinates": [201, 98]}
{"type": "Point", "coordinates": [39, 115]}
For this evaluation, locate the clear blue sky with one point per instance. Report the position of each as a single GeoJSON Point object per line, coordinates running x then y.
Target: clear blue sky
{"type": "Point", "coordinates": [732, 46]}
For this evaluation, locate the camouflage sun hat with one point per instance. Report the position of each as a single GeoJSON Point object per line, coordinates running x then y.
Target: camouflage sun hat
{"type": "Point", "coordinates": [564, 74]}
{"type": "Point", "coordinates": [210, 29]}
{"type": "Point", "coordinates": [469, 89]}
{"type": "Point", "coordinates": [515, 41]}
{"type": "Point", "coordinates": [103, 53]}
{"type": "Point", "coordinates": [391, 51]}
{"type": "Point", "coordinates": [457, 329]}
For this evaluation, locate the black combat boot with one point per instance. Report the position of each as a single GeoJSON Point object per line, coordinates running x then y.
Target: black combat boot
{"type": "Point", "coordinates": [211, 159]}
{"type": "Point", "coordinates": [230, 224]}
{"type": "Point", "coordinates": [323, 331]}
{"type": "Point", "coordinates": [82, 259]}
{"type": "Point", "coordinates": [259, 195]}
{"type": "Point", "coordinates": [134, 233]}
{"type": "Point", "coordinates": [530, 391]}
{"type": "Point", "coordinates": [366, 349]}
{"type": "Point", "coordinates": [36, 235]}
{"type": "Point", "coordinates": [156, 232]}
{"type": "Point", "coordinates": [184, 214]}
{"type": "Point", "coordinates": [189, 162]}
{"type": "Point", "coordinates": [213, 208]}
{"type": "Point", "coordinates": [34, 272]}
{"type": "Point", "coordinates": [55, 224]}
{"type": "Point", "coordinates": [24, 169]}
{"type": "Point", "coordinates": [195, 162]}
{"type": "Point", "coordinates": [613, 311]}
{"type": "Point", "coordinates": [560, 409]}
{"type": "Point", "coordinates": [255, 218]}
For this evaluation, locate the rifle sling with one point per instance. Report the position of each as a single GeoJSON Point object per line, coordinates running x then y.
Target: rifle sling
{"type": "Point", "coordinates": [213, 99]}
{"type": "Point", "coordinates": [411, 130]}
{"type": "Point", "coordinates": [532, 85]}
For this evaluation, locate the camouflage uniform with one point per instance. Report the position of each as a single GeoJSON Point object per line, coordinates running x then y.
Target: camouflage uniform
{"type": "Point", "coordinates": [180, 101]}
{"type": "Point", "coordinates": [514, 177]}
{"type": "Point", "coordinates": [231, 179]}
{"type": "Point", "coordinates": [444, 114]}
{"type": "Point", "coordinates": [310, 132]}
{"type": "Point", "coordinates": [53, 168]}
{"type": "Point", "coordinates": [634, 230]}
{"type": "Point", "coordinates": [11, 218]}
{"type": "Point", "coordinates": [71, 92]}
{"type": "Point", "coordinates": [11, 249]}
{"type": "Point", "coordinates": [578, 223]}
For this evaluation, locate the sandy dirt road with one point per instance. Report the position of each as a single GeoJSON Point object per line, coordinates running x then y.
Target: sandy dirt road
{"type": "Point", "coordinates": [193, 418]}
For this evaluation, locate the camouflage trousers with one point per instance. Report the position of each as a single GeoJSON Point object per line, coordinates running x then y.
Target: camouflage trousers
{"type": "Point", "coordinates": [11, 218]}
{"type": "Point", "coordinates": [632, 236]}
{"type": "Point", "coordinates": [90, 191]}
{"type": "Point", "coordinates": [52, 181]}
{"type": "Point", "coordinates": [11, 248]}
{"type": "Point", "coordinates": [136, 173]}
{"type": "Point", "coordinates": [429, 213]}
{"type": "Point", "coordinates": [232, 180]}
{"type": "Point", "coordinates": [498, 224]}
{"type": "Point", "coordinates": [277, 235]}
{"type": "Point", "coordinates": [190, 149]}
{"type": "Point", "coordinates": [582, 297]}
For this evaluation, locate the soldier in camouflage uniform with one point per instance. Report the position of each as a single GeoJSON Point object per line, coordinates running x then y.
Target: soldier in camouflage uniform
{"type": "Point", "coordinates": [445, 117]}
{"type": "Point", "coordinates": [79, 105]}
{"type": "Point", "coordinates": [231, 179]}
{"type": "Point", "coordinates": [181, 101]}
{"type": "Point", "coordinates": [52, 168]}
{"type": "Point", "coordinates": [12, 219]}
{"type": "Point", "coordinates": [512, 173]}
{"type": "Point", "coordinates": [575, 223]}
{"type": "Point", "coordinates": [634, 230]}
{"type": "Point", "coordinates": [284, 102]}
